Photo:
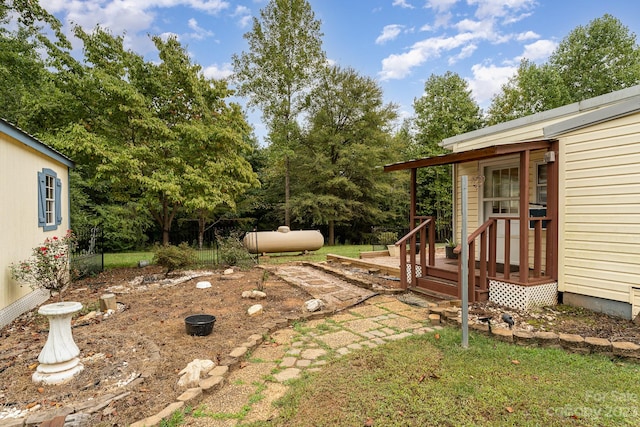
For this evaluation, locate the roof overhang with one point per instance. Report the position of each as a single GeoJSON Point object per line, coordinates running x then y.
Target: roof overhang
{"type": "Point", "coordinates": [471, 155]}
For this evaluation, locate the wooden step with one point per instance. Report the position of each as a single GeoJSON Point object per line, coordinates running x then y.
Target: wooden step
{"type": "Point", "coordinates": [436, 284]}
{"type": "Point", "coordinates": [432, 294]}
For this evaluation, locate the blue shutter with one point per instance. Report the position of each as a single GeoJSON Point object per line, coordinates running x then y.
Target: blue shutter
{"type": "Point", "coordinates": [42, 194]}
{"type": "Point", "coordinates": [58, 201]}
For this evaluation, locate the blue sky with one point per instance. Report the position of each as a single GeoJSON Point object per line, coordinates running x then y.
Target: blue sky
{"type": "Point", "coordinates": [398, 42]}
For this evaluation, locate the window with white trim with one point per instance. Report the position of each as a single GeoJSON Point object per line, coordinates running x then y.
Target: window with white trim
{"type": "Point", "coordinates": [502, 189]}
{"type": "Point", "coordinates": [541, 184]}
{"type": "Point", "coordinates": [49, 200]}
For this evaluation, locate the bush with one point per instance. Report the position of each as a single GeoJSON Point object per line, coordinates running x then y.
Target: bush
{"type": "Point", "coordinates": [174, 257]}
{"type": "Point", "coordinates": [233, 253]}
{"type": "Point", "coordinates": [387, 237]}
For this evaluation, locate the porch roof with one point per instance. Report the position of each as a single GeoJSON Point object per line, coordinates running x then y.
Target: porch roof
{"type": "Point", "coordinates": [471, 155]}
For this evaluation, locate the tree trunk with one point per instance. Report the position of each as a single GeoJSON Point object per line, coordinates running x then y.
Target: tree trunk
{"type": "Point", "coordinates": [332, 237]}
{"type": "Point", "coordinates": [201, 224]}
{"type": "Point", "coordinates": [287, 220]}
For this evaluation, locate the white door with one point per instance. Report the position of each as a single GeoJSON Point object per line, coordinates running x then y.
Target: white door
{"type": "Point", "coordinates": [502, 198]}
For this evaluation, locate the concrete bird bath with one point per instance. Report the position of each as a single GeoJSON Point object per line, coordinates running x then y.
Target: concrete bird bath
{"type": "Point", "coordinates": [58, 359]}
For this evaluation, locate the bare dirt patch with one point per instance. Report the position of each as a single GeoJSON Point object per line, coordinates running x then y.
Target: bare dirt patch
{"type": "Point", "coordinates": [119, 352]}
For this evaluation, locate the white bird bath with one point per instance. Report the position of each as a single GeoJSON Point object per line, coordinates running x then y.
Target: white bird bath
{"type": "Point", "coordinates": [59, 357]}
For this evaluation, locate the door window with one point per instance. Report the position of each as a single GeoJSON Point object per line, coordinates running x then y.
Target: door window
{"type": "Point", "coordinates": [502, 190]}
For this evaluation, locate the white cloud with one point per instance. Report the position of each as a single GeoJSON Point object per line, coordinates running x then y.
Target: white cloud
{"type": "Point", "coordinates": [218, 72]}
{"type": "Point", "coordinates": [507, 9]}
{"type": "Point", "coordinates": [465, 52]}
{"type": "Point", "coordinates": [243, 14]}
{"type": "Point", "coordinates": [199, 32]}
{"type": "Point", "coordinates": [402, 3]}
{"type": "Point", "coordinates": [389, 32]}
{"type": "Point", "coordinates": [539, 50]}
{"type": "Point", "coordinates": [487, 81]}
{"type": "Point", "coordinates": [527, 35]}
{"type": "Point", "coordinates": [440, 5]}
{"type": "Point", "coordinates": [397, 66]}
{"type": "Point", "coordinates": [133, 18]}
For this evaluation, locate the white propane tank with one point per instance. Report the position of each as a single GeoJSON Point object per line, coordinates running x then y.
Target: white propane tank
{"type": "Point", "coordinates": [283, 240]}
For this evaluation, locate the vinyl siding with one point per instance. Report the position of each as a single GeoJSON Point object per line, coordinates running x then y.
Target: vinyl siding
{"type": "Point", "coordinates": [19, 166]}
{"type": "Point", "coordinates": [600, 209]}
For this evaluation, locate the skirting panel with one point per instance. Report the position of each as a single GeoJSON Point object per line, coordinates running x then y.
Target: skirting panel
{"type": "Point", "coordinates": [418, 272]}
{"type": "Point", "coordinates": [523, 297]}
{"type": "Point", "coordinates": [24, 304]}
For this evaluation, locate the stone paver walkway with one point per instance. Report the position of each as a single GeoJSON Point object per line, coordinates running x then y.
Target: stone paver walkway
{"type": "Point", "coordinates": [307, 346]}
{"type": "Point", "coordinates": [335, 292]}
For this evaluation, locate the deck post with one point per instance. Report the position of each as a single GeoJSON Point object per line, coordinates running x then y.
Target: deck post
{"type": "Point", "coordinates": [524, 216]}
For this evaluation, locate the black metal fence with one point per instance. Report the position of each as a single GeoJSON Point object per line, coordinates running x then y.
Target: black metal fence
{"type": "Point", "coordinates": [219, 244]}
{"type": "Point", "coordinates": [88, 256]}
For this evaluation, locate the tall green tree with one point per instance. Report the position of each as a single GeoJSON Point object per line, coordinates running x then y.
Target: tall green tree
{"type": "Point", "coordinates": [598, 58]}
{"type": "Point", "coordinates": [282, 63]}
{"type": "Point", "coordinates": [445, 109]}
{"type": "Point", "coordinates": [593, 60]}
{"type": "Point", "coordinates": [338, 175]}
{"type": "Point", "coordinates": [531, 90]}
{"type": "Point", "coordinates": [155, 135]}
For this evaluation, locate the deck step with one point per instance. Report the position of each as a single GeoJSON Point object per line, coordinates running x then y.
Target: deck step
{"type": "Point", "coordinates": [433, 294]}
{"type": "Point", "coordinates": [436, 284]}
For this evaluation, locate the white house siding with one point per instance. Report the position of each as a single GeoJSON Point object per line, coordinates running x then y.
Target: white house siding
{"type": "Point", "coordinates": [19, 165]}
{"type": "Point", "coordinates": [471, 170]}
{"type": "Point", "coordinates": [600, 210]}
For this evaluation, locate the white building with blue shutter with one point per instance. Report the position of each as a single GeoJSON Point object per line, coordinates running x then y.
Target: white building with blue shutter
{"type": "Point", "coordinates": [34, 189]}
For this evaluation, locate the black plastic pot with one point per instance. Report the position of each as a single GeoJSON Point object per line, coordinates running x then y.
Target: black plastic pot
{"type": "Point", "coordinates": [199, 324]}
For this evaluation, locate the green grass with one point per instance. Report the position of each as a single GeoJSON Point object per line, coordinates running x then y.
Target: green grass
{"type": "Point", "coordinates": [125, 259]}
{"type": "Point", "coordinates": [427, 381]}
{"type": "Point", "coordinates": [351, 251]}
{"type": "Point", "coordinates": [130, 259]}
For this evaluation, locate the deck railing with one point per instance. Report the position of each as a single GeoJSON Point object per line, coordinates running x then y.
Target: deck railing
{"type": "Point", "coordinates": [422, 240]}
{"type": "Point", "coordinates": [483, 244]}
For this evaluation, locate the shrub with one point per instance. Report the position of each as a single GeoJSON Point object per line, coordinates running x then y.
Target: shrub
{"type": "Point", "coordinates": [233, 253]}
{"type": "Point", "coordinates": [174, 257]}
{"type": "Point", "coordinates": [48, 266]}
{"type": "Point", "coordinates": [387, 237]}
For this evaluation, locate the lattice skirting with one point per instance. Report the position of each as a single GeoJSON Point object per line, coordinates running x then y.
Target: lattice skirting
{"type": "Point", "coordinates": [523, 297]}
{"type": "Point", "coordinates": [418, 272]}
{"type": "Point", "coordinates": [22, 305]}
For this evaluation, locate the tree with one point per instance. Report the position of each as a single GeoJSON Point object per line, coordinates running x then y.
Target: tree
{"type": "Point", "coordinates": [597, 59]}
{"type": "Point", "coordinates": [445, 109]}
{"type": "Point", "coordinates": [594, 60]}
{"type": "Point", "coordinates": [338, 173]}
{"type": "Point", "coordinates": [531, 90]}
{"type": "Point", "coordinates": [156, 135]}
{"type": "Point", "coordinates": [284, 57]}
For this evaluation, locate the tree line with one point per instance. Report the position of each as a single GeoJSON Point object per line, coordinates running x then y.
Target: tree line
{"type": "Point", "coordinates": [157, 144]}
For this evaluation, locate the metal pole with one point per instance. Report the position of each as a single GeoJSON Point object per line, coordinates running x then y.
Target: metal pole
{"type": "Point", "coordinates": [465, 264]}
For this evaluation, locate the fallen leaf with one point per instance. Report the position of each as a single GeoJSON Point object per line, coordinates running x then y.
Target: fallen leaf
{"type": "Point", "coordinates": [33, 366]}
{"type": "Point", "coordinates": [515, 362]}
{"type": "Point", "coordinates": [422, 378]}
{"type": "Point", "coordinates": [509, 409]}
{"type": "Point", "coordinates": [437, 336]}
{"type": "Point", "coordinates": [369, 422]}
{"type": "Point", "coordinates": [40, 389]}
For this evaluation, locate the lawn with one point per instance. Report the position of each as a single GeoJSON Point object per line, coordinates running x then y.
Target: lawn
{"type": "Point", "coordinates": [432, 380]}
{"type": "Point", "coordinates": [131, 259]}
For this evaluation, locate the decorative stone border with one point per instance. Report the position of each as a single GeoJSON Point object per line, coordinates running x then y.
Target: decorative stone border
{"type": "Point", "coordinates": [569, 342]}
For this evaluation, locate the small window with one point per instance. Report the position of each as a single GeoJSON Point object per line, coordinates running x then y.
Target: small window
{"type": "Point", "coordinates": [49, 200]}
{"type": "Point", "coordinates": [541, 184]}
